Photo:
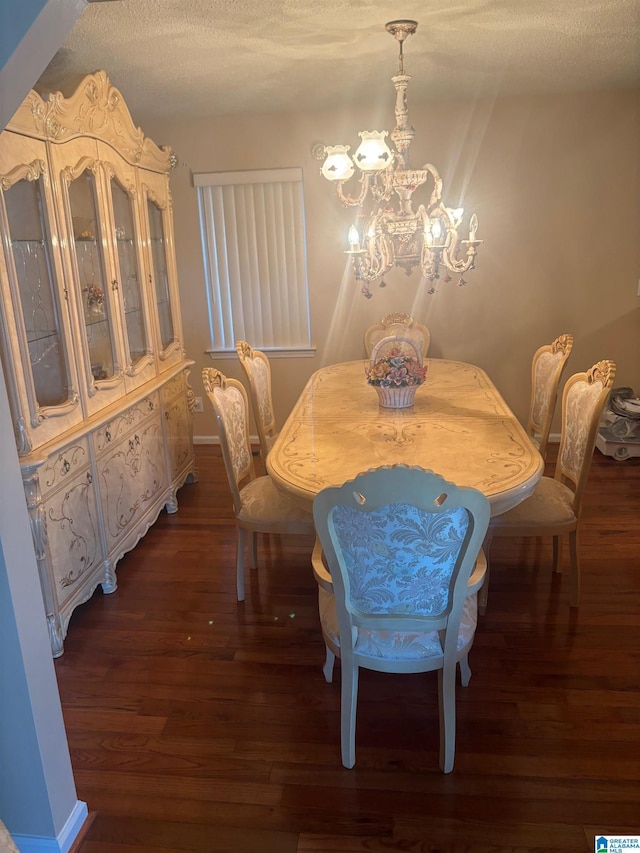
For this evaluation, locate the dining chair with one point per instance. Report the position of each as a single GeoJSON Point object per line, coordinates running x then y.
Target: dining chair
{"type": "Point", "coordinates": [554, 507]}
{"type": "Point", "coordinates": [546, 369]}
{"type": "Point", "coordinates": [258, 505]}
{"type": "Point", "coordinates": [395, 551]}
{"type": "Point", "coordinates": [257, 369]}
{"type": "Point", "coordinates": [397, 324]}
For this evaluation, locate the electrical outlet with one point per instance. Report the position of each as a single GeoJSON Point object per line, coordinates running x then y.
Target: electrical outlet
{"type": "Point", "coordinates": [198, 406]}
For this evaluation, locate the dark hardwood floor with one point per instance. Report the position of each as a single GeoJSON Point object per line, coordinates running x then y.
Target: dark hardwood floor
{"type": "Point", "coordinates": [197, 724]}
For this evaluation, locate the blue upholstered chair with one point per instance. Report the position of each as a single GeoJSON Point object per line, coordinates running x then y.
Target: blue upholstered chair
{"type": "Point", "coordinates": [398, 562]}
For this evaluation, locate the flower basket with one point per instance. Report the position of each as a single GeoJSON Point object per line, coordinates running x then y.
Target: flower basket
{"type": "Point", "coordinates": [395, 375]}
{"type": "Point", "coordinates": [396, 398]}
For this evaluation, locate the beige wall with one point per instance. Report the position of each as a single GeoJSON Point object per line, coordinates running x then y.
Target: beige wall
{"type": "Point", "coordinates": [555, 182]}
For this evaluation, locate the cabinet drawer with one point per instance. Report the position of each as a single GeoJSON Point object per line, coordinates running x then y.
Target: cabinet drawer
{"type": "Point", "coordinates": [112, 432]}
{"type": "Point", "coordinates": [61, 468]}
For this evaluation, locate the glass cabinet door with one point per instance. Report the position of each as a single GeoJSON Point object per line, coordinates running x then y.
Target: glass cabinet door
{"type": "Point", "coordinates": [98, 322]}
{"type": "Point", "coordinates": [36, 336]}
{"type": "Point", "coordinates": [38, 293]}
{"type": "Point", "coordinates": [130, 273]}
{"type": "Point", "coordinates": [160, 273]}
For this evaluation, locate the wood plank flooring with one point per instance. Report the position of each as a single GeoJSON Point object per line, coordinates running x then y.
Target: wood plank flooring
{"type": "Point", "coordinates": [198, 725]}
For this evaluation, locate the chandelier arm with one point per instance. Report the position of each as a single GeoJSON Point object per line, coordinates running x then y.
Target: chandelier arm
{"type": "Point", "coordinates": [450, 252]}
{"type": "Point", "coordinates": [380, 247]}
{"type": "Point", "coordinates": [458, 265]}
{"type": "Point", "coordinates": [436, 193]}
{"type": "Point", "coordinates": [378, 255]}
{"type": "Point", "coordinates": [371, 264]}
{"type": "Point", "coordinates": [350, 201]}
{"type": "Point", "coordinates": [429, 262]}
{"type": "Point", "coordinates": [429, 259]}
{"type": "Point", "coordinates": [384, 192]}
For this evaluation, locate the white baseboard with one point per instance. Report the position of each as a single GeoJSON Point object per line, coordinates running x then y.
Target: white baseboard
{"type": "Point", "coordinates": [61, 844]}
{"type": "Point", "coordinates": [206, 439]}
{"type": "Point", "coordinates": [214, 439]}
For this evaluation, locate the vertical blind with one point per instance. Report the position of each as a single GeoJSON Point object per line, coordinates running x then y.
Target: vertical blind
{"type": "Point", "coordinates": [253, 236]}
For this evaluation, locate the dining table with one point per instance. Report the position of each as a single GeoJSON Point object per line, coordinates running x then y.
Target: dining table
{"type": "Point", "coordinates": [459, 426]}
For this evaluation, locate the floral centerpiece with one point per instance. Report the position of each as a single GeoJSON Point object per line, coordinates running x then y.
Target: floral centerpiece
{"type": "Point", "coordinates": [396, 375]}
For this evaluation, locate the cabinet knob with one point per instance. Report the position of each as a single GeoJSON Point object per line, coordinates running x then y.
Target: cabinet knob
{"type": "Point", "coordinates": [114, 284]}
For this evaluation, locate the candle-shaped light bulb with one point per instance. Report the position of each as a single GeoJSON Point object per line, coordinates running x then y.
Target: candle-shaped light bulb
{"type": "Point", "coordinates": [354, 239]}
{"type": "Point", "coordinates": [436, 230]}
{"type": "Point", "coordinates": [473, 227]}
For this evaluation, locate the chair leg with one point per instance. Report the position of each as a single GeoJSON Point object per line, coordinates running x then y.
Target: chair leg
{"type": "Point", "coordinates": [253, 554]}
{"type": "Point", "coordinates": [348, 704]}
{"type": "Point", "coordinates": [240, 564]}
{"type": "Point", "coordinates": [483, 592]}
{"type": "Point", "coordinates": [574, 580]}
{"type": "Point", "coordinates": [327, 669]}
{"type": "Point", "coordinates": [447, 713]}
{"type": "Point", "coordinates": [557, 554]}
{"type": "Point", "coordinates": [465, 671]}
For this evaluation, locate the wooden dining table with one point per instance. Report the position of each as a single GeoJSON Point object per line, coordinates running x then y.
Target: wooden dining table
{"type": "Point", "coordinates": [459, 427]}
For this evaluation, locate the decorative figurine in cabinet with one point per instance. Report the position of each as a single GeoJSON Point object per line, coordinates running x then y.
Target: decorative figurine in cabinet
{"type": "Point", "coordinates": [91, 336]}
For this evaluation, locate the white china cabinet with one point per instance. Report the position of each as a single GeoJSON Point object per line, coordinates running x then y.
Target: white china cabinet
{"type": "Point", "coordinates": [91, 336]}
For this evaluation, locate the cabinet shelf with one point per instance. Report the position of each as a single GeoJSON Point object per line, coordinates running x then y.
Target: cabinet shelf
{"type": "Point", "coordinates": [36, 336]}
{"type": "Point", "coordinates": [95, 319]}
{"type": "Point", "coordinates": [28, 241]}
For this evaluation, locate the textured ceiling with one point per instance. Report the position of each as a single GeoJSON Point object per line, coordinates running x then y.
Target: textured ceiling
{"type": "Point", "coordinates": [211, 57]}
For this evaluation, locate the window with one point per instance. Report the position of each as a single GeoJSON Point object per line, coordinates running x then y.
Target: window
{"type": "Point", "coordinates": [253, 240]}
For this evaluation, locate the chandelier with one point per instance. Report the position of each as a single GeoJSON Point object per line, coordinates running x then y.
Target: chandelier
{"type": "Point", "coordinates": [386, 236]}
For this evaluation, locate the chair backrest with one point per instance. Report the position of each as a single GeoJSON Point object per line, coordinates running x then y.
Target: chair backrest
{"type": "Point", "coordinates": [546, 370]}
{"type": "Point", "coordinates": [583, 400]}
{"type": "Point", "coordinates": [400, 544]}
{"type": "Point", "coordinates": [258, 372]}
{"type": "Point", "coordinates": [230, 405]}
{"type": "Point", "coordinates": [398, 324]}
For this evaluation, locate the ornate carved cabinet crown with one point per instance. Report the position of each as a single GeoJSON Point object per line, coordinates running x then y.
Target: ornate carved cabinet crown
{"type": "Point", "coordinates": [91, 336]}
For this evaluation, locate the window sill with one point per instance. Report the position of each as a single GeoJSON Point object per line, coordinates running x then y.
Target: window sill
{"type": "Point", "coordinates": [273, 352]}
